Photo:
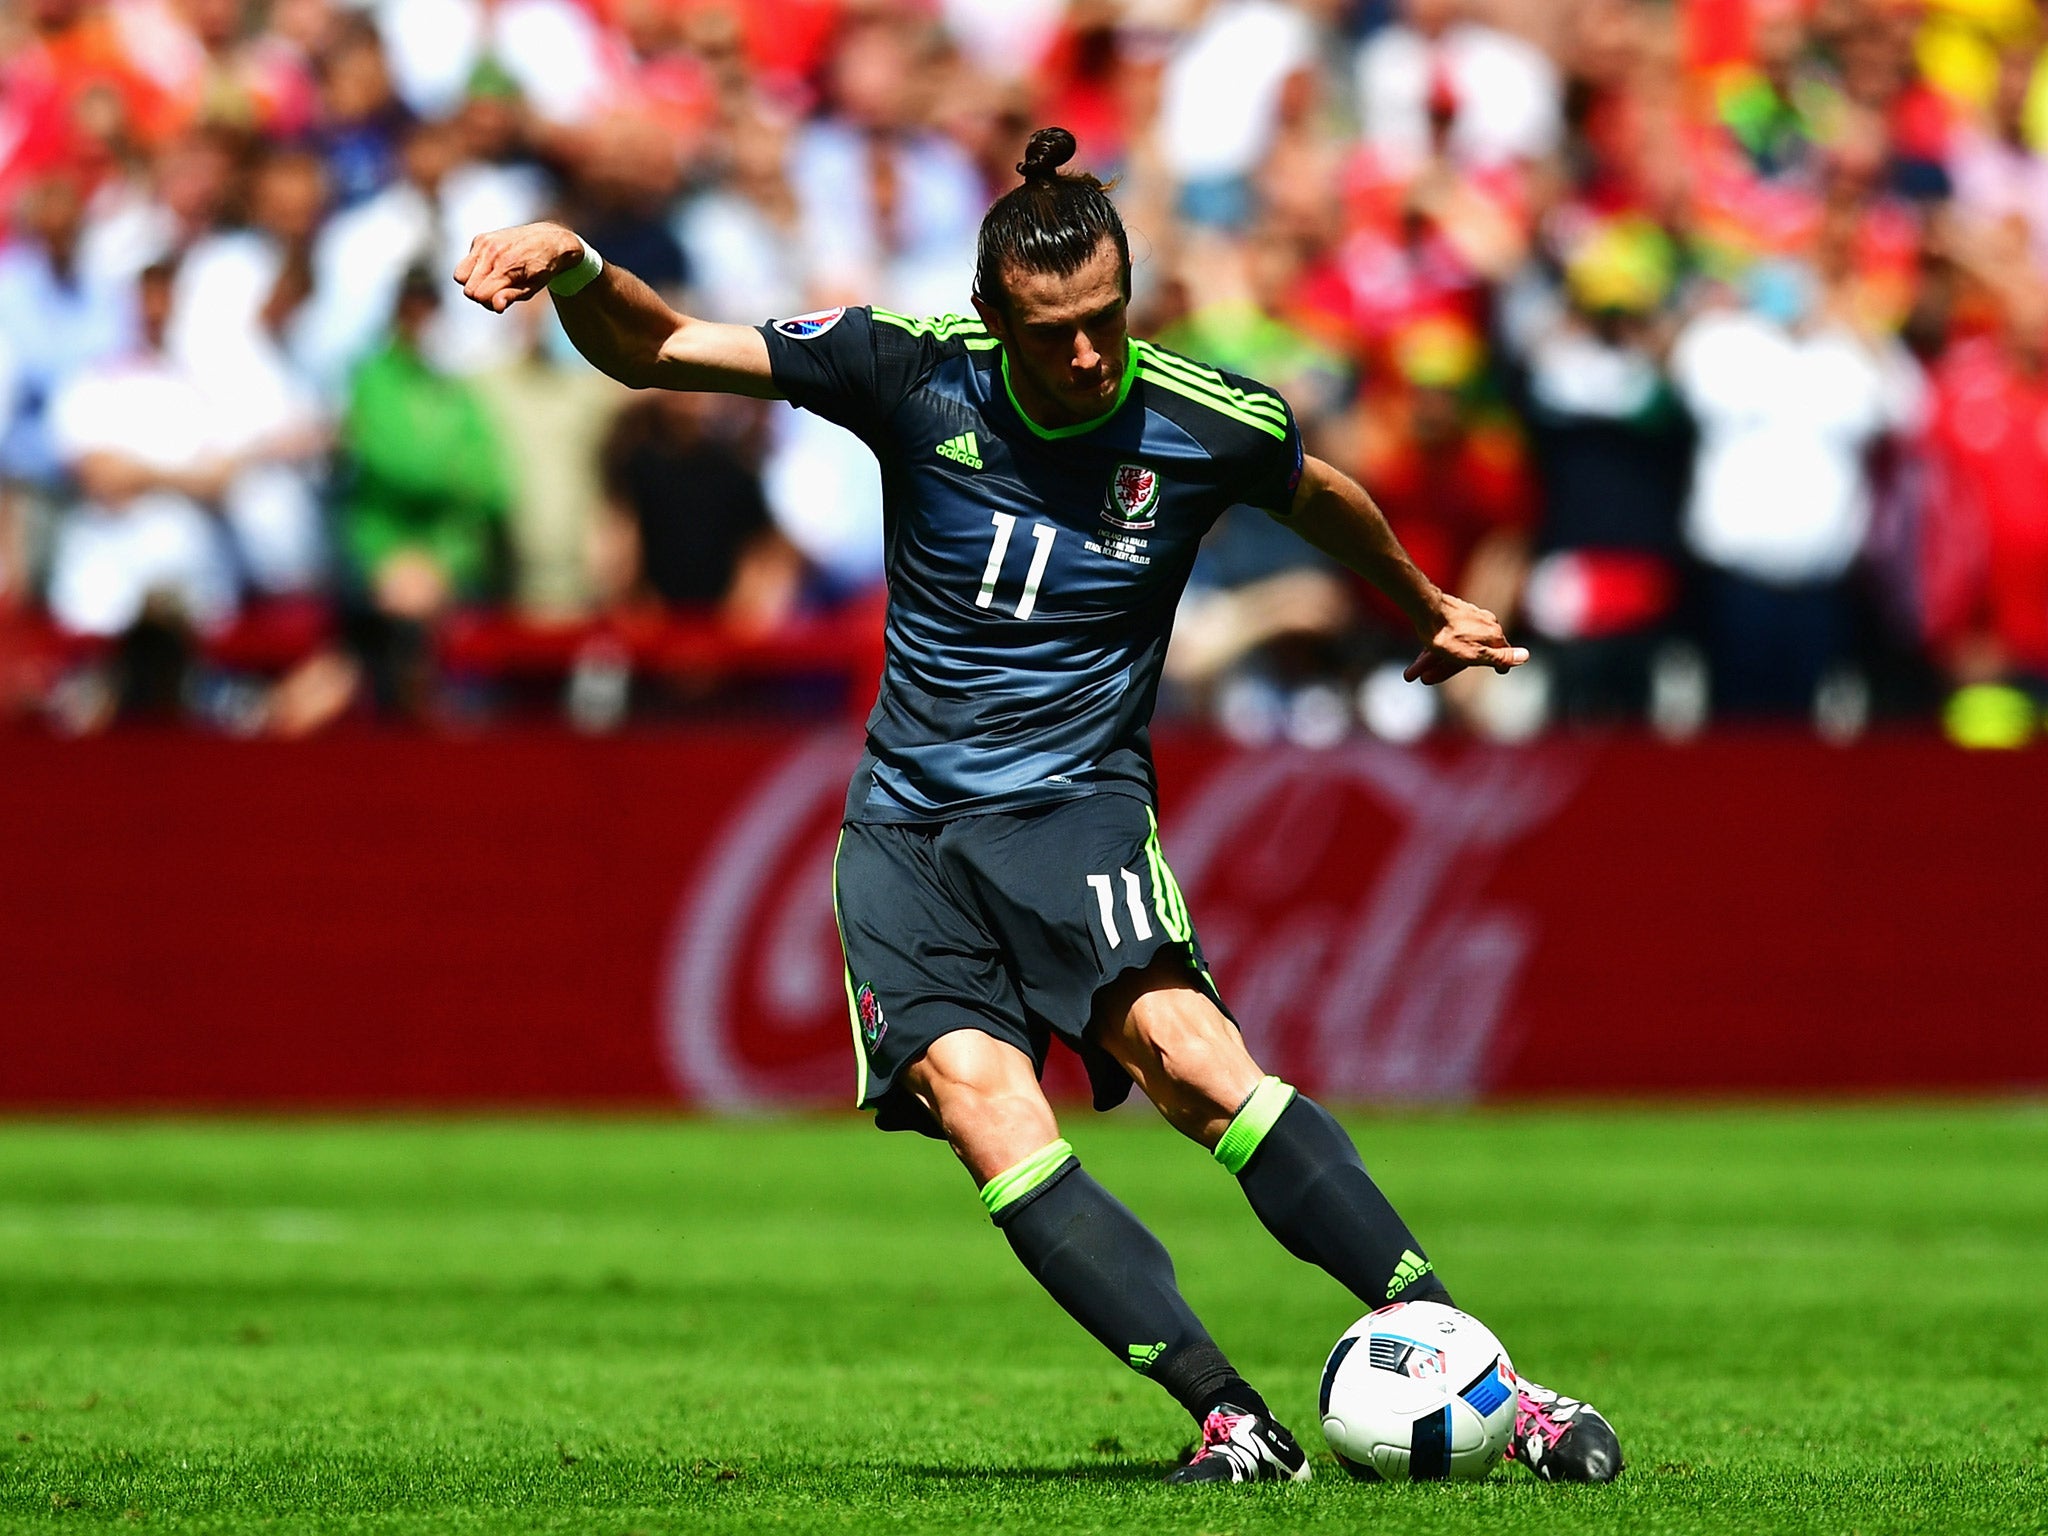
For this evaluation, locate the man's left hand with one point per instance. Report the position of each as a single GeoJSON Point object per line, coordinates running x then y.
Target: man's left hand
{"type": "Point", "coordinates": [1465, 636]}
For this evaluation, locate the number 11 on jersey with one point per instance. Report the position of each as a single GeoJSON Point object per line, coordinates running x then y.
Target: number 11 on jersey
{"type": "Point", "coordinates": [1043, 534]}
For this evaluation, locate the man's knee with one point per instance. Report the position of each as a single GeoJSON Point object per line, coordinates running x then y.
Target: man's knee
{"type": "Point", "coordinates": [1187, 1056]}
{"type": "Point", "coordinates": [985, 1095]}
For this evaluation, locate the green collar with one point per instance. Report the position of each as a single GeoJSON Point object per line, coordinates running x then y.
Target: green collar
{"type": "Point", "coordinates": [1123, 393]}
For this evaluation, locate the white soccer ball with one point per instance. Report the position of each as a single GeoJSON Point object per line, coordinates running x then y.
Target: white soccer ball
{"type": "Point", "coordinates": [1418, 1391]}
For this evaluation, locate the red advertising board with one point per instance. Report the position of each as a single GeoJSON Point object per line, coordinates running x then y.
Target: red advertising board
{"type": "Point", "coordinates": [374, 921]}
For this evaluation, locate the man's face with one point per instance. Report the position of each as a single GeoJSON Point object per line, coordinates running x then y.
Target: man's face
{"type": "Point", "coordinates": [1065, 335]}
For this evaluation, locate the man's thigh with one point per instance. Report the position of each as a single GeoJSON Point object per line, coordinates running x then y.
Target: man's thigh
{"type": "Point", "coordinates": [1079, 897]}
{"type": "Point", "coordinates": [920, 964]}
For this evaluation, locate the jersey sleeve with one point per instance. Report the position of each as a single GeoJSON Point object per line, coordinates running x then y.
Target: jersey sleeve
{"type": "Point", "coordinates": [844, 366]}
{"type": "Point", "coordinates": [1272, 464]}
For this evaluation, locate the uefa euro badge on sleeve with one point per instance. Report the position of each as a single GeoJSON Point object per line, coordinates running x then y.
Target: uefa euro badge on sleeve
{"type": "Point", "coordinates": [810, 327]}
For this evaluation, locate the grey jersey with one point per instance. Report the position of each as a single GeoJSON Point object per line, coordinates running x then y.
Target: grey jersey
{"type": "Point", "coordinates": [1033, 573]}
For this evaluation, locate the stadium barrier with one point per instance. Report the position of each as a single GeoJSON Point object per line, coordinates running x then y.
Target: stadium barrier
{"type": "Point", "coordinates": [537, 919]}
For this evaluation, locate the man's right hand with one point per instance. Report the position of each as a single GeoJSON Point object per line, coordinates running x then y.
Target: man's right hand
{"type": "Point", "coordinates": [508, 265]}
{"type": "Point", "coordinates": [620, 324]}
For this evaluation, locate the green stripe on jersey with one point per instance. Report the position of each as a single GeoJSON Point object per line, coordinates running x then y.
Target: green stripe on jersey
{"type": "Point", "coordinates": [1203, 377]}
{"type": "Point", "coordinates": [1180, 386]}
{"type": "Point", "coordinates": [939, 327]}
{"type": "Point", "coordinates": [1261, 1109]}
{"type": "Point", "coordinates": [1014, 1183]}
{"type": "Point", "coordinates": [1263, 401]}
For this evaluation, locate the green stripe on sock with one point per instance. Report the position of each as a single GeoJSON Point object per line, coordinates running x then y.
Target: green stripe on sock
{"type": "Point", "coordinates": [1242, 1139]}
{"type": "Point", "coordinates": [1013, 1184]}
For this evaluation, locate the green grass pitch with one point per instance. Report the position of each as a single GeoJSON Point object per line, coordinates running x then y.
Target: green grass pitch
{"type": "Point", "coordinates": [1799, 1319]}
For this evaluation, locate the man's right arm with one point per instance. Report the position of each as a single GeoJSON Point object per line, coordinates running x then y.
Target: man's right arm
{"type": "Point", "coordinates": [616, 321]}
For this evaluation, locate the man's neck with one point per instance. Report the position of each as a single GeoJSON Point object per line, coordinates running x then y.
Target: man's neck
{"type": "Point", "coordinates": [1050, 412]}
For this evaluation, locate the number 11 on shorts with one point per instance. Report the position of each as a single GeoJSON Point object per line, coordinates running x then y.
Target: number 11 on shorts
{"type": "Point", "coordinates": [1105, 904]}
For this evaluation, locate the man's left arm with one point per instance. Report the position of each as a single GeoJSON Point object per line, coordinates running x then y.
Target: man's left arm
{"type": "Point", "coordinates": [1333, 512]}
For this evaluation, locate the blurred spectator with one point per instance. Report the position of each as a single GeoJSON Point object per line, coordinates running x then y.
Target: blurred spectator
{"type": "Point", "coordinates": [1493, 98]}
{"type": "Point", "coordinates": [139, 438]}
{"type": "Point", "coordinates": [1448, 465]}
{"type": "Point", "coordinates": [686, 526]}
{"type": "Point", "coordinates": [209, 69]}
{"type": "Point", "coordinates": [362, 122]}
{"type": "Point", "coordinates": [552, 412]}
{"type": "Point", "coordinates": [888, 210]}
{"type": "Point", "coordinates": [57, 318]}
{"type": "Point", "coordinates": [629, 178]}
{"type": "Point", "coordinates": [1260, 633]}
{"type": "Point", "coordinates": [160, 209]}
{"type": "Point", "coordinates": [747, 259]}
{"type": "Point", "coordinates": [236, 293]}
{"type": "Point", "coordinates": [423, 500]}
{"type": "Point", "coordinates": [1004, 39]}
{"type": "Point", "coordinates": [825, 494]}
{"type": "Point", "coordinates": [1768, 103]}
{"type": "Point", "coordinates": [1986, 552]}
{"type": "Point", "coordinates": [427, 217]}
{"type": "Point", "coordinates": [1998, 176]}
{"type": "Point", "coordinates": [1613, 451]}
{"type": "Point", "coordinates": [553, 49]}
{"type": "Point", "coordinates": [1789, 397]}
{"type": "Point", "coordinates": [1220, 102]}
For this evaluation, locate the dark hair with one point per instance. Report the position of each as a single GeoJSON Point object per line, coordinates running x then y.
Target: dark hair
{"type": "Point", "coordinates": [1053, 223]}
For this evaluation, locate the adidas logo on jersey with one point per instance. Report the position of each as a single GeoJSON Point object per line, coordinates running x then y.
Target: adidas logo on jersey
{"type": "Point", "coordinates": [962, 450]}
{"type": "Point", "coordinates": [1413, 1267]}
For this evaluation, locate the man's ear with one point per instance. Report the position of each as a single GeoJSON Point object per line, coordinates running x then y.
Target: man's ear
{"type": "Point", "coordinates": [992, 317]}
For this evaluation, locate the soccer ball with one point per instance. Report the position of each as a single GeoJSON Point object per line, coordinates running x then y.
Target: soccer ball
{"type": "Point", "coordinates": [1418, 1391]}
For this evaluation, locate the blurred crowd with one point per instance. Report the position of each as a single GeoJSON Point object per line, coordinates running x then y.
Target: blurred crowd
{"type": "Point", "coordinates": [1704, 341]}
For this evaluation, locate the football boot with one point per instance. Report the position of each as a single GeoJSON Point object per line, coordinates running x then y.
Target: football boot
{"type": "Point", "coordinates": [1243, 1447]}
{"type": "Point", "coordinates": [1561, 1439]}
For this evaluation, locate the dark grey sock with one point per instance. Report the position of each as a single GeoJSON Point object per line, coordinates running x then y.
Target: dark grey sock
{"type": "Point", "coordinates": [1116, 1280]}
{"type": "Point", "coordinates": [1307, 1183]}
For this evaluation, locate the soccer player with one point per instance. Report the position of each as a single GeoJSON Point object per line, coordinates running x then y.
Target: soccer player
{"type": "Point", "coordinates": [999, 881]}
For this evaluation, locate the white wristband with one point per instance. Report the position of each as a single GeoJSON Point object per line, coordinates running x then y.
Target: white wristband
{"type": "Point", "coordinates": [568, 284]}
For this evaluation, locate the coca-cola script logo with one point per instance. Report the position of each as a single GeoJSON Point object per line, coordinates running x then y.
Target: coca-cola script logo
{"type": "Point", "coordinates": [1342, 898]}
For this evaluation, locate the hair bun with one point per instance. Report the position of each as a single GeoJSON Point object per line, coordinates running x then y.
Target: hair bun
{"type": "Point", "coordinates": [1049, 149]}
